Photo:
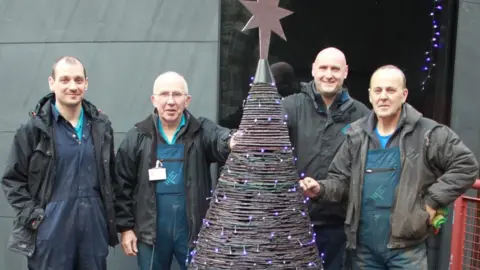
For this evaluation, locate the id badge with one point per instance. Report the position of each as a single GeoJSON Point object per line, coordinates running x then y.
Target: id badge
{"type": "Point", "coordinates": [158, 173]}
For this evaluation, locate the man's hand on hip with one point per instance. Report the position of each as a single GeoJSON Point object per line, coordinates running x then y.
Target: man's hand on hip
{"type": "Point", "coordinates": [432, 212]}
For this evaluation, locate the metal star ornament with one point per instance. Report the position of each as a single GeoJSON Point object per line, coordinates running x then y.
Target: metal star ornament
{"type": "Point", "coordinates": [266, 16]}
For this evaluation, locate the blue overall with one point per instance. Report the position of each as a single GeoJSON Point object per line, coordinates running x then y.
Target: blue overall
{"type": "Point", "coordinates": [73, 234]}
{"type": "Point", "coordinates": [172, 222]}
{"type": "Point", "coordinates": [382, 175]}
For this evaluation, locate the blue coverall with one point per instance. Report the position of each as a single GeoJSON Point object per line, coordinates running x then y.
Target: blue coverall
{"type": "Point", "coordinates": [382, 173]}
{"type": "Point", "coordinates": [172, 223]}
{"type": "Point", "coordinates": [73, 234]}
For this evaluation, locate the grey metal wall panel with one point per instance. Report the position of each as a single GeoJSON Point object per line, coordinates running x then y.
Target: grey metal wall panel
{"type": "Point", "coordinates": [121, 76]}
{"type": "Point", "coordinates": [5, 142]}
{"type": "Point", "coordinates": [466, 80]}
{"type": "Point", "coordinates": [124, 46]}
{"type": "Point", "coordinates": [465, 109]}
{"type": "Point", "coordinates": [108, 21]}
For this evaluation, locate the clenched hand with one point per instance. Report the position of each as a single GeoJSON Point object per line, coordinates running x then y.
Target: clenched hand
{"type": "Point", "coordinates": [129, 243]}
{"type": "Point", "coordinates": [311, 188]}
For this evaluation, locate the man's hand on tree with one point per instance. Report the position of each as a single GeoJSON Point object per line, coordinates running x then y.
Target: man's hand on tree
{"type": "Point", "coordinates": [311, 188]}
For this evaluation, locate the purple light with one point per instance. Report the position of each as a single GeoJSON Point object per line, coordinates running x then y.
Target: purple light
{"type": "Point", "coordinates": [428, 59]}
{"type": "Point", "coordinates": [439, 7]}
{"type": "Point", "coordinates": [425, 68]}
{"type": "Point", "coordinates": [435, 45]}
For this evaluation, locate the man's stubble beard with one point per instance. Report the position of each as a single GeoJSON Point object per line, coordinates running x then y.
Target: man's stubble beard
{"type": "Point", "coordinates": [330, 94]}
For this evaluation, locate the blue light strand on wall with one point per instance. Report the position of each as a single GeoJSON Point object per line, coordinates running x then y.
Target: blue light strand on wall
{"type": "Point", "coordinates": [430, 55]}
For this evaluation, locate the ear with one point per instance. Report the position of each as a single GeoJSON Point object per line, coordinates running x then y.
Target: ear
{"type": "Point", "coordinates": [187, 100]}
{"type": "Point", "coordinates": [346, 71]}
{"type": "Point", "coordinates": [86, 83]}
{"type": "Point", "coordinates": [370, 96]}
{"type": "Point", "coordinates": [313, 69]}
{"type": "Point", "coordinates": [51, 81]}
{"type": "Point", "coordinates": [405, 95]}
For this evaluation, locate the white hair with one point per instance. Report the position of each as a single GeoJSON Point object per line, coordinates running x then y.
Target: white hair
{"type": "Point", "coordinates": [170, 75]}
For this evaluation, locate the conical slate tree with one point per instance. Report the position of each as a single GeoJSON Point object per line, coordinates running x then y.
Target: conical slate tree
{"type": "Point", "coordinates": [258, 217]}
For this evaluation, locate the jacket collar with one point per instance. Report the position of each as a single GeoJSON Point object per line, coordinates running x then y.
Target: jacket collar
{"type": "Point", "coordinates": [43, 117]}
{"type": "Point", "coordinates": [148, 125]}
{"type": "Point", "coordinates": [341, 98]}
{"type": "Point", "coordinates": [408, 118]}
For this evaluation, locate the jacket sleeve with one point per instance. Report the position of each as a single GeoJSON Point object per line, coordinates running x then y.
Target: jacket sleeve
{"type": "Point", "coordinates": [113, 175]}
{"type": "Point", "coordinates": [455, 162]}
{"type": "Point", "coordinates": [126, 177]}
{"type": "Point", "coordinates": [290, 108]}
{"type": "Point", "coordinates": [336, 186]}
{"type": "Point", "coordinates": [15, 179]}
{"type": "Point", "coordinates": [216, 140]}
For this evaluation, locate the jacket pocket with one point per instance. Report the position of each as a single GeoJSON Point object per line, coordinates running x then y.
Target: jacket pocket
{"type": "Point", "coordinates": [22, 239]}
{"type": "Point", "coordinates": [415, 225]}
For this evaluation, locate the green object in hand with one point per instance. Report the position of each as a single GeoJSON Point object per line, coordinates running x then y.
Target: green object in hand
{"type": "Point", "coordinates": [440, 218]}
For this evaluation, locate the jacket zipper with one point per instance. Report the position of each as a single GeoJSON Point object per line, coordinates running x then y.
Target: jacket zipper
{"type": "Point", "coordinates": [171, 160]}
{"type": "Point", "coordinates": [380, 170]}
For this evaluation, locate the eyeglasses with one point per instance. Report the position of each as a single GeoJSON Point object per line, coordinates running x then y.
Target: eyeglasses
{"type": "Point", "coordinates": [166, 95]}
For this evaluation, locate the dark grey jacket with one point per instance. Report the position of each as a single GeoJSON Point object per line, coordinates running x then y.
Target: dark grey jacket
{"type": "Point", "coordinates": [436, 168]}
{"type": "Point", "coordinates": [30, 172]}
{"type": "Point", "coordinates": [316, 135]}
{"type": "Point", "coordinates": [205, 143]}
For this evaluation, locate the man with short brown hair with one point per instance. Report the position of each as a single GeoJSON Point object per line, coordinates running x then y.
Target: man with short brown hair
{"type": "Point", "coordinates": [60, 177]}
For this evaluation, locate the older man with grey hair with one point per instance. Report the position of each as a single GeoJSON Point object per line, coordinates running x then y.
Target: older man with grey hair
{"type": "Point", "coordinates": [164, 179]}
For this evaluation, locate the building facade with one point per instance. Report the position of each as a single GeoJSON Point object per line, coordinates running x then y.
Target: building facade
{"type": "Point", "coordinates": [126, 44]}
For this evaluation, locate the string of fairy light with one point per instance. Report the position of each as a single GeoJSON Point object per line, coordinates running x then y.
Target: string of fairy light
{"type": "Point", "coordinates": [291, 186]}
{"type": "Point", "coordinates": [430, 55]}
{"type": "Point", "coordinates": [242, 182]}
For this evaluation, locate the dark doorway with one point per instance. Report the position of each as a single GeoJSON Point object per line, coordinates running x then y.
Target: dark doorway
{"type": "Point", "coordinates": [371, 34]}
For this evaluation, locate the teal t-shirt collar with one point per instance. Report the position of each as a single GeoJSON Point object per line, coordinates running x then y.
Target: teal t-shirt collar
{"type": "Point", "coordinates": [174, 139]}
{"type": "Point", "coordinates": [78, 127]}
